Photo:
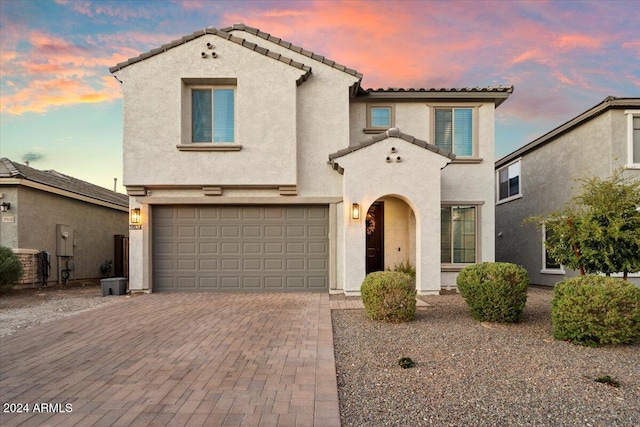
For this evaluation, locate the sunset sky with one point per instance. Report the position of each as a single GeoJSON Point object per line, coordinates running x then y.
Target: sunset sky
{"type": "Point", "coordinates": [61, 108]}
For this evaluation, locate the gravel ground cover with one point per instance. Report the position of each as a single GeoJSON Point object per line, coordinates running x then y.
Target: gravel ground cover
{"type": "Point", "coordinates": [25, 308]}
{"type": "Point", "coordinates": [469, 373]}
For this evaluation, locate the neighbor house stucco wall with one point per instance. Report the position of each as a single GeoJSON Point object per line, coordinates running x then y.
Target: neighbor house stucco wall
{"type": "Point", "coordinates": [548, 180]}
{"type": "Point", "coordinates": [36, 214]}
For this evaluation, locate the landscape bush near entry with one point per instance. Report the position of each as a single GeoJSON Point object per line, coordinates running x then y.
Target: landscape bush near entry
{"type": "Point", "coordinates": [596, 310]}
{"type": "Point", "coordinates": [389, 296]}
{"type": "Point", "coordinates": [494, 291]}
{"type": "Point", "coordinates": [10, 269]}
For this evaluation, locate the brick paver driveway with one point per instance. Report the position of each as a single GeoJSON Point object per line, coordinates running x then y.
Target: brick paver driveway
{"type": "Point", "coordinates": [177, 359]}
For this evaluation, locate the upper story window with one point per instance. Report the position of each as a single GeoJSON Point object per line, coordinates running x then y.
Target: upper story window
{"type": "Point", "coordinates": [379, 118]}
{"type": "Point", "coordinates": [213, 114]}
{"type": "Point", "coordinates": [454, 130]}
{"type": "Point", "coordinates": [509, 181]}
{"type": "Point", "coordinates": [633, 139]}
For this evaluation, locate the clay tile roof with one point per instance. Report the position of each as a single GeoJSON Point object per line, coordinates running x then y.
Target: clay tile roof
{"type": "Point", "coordinates": [288, 45]}
{"type": "Point", "coordinates": [51, 178]}
{"type": "Point", "coordinates": [222, 34]}
{"type": "Point", "coordinates": [390, 133]}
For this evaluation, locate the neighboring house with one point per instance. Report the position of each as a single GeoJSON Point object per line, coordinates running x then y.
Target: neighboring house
{"type": "Point", "coordinates": [258, 165]}
{"type": "Point", "coordinates": [73, 220]}
{"type": "Point", "coordinates": [540, 178]}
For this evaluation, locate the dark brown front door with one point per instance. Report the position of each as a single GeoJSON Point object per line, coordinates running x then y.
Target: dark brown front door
{"type": "Point", "coordinates": [375, 237]}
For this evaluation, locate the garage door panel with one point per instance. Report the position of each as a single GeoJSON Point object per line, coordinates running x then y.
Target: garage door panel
{"type": "Point", "coordinates": [235, 248]}
{"type": "Point", "coordinates": [230, 231]}
{"type": "Point", "coordinates": [208, 283]}
{"type": "Point", "coordinates": [187, 265]}
{"type": "Point", "coordinates": [208, 248]}
{"type": "Point", "coordinates": [273, 248]}
{"type": "Point", "coordinates": [252, 248]}
{"type": "Point", "coordinates": [186, 213]}
{"type": "Point", "coordinates": [271, 264]}
{"type": "Point", "coordinates": [232, 283]}
{"type": "Point", "coordinates": [274, 283]}
{"type": "Point", "coordinates": [251, 264]}
{"type": "Point", "coordinates": [207, 231]}
{"type": "Point", "coordinates": [208, 265]}
{"type": "Point", "coordinates": [230, 248]}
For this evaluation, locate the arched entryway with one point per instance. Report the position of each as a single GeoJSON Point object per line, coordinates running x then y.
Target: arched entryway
{"type": "Point", "coordinates": [390, 233]}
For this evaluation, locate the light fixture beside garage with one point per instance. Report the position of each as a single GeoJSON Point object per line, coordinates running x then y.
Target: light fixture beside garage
{"type": "Point", "coordinates": [355, 211]}
{"type": "Point", "coordinates": [5, 206]}
{"type": "Point", "coordinates": [136, 218]}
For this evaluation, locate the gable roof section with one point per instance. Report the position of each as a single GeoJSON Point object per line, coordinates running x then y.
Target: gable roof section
{"type": "Point", "coordinates": [288, 45]}
{"type": "Point", "coordinates": [393, 132]}
{"type": "Point", "coordinates": [497, 94]}
{"type": "Point", "coordinates": [51, 178]}
{"type": "Point", "coordinates": [222, 34]}
{"type": "Point", "coordinates": [608, 103]}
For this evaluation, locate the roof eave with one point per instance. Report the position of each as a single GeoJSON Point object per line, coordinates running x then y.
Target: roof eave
{"type": "Point", "coordinates": [495, 96]}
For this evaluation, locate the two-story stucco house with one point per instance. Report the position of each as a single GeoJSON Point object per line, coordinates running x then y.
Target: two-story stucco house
{"type": "Point", "coordinates": [258, 165]}
{"type": "Point", "coordinates": [540, 178]}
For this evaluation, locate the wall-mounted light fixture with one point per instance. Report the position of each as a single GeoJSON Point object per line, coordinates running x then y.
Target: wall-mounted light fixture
{"type": "Point", "coordinates": [5, 206]}
{"type": "Point", "coordinates": [136, 218]}
{"type": "Point", "coordinates": [355, 211]}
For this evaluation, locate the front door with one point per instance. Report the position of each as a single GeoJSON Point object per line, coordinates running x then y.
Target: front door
{"type": "Point", "coordinates": [375, 237]}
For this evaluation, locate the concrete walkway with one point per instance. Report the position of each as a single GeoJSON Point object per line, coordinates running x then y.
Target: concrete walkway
{"type": "Point", "coordinates": [177, 359]}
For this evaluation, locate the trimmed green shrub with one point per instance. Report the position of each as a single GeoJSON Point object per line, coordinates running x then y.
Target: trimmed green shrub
{"type": "Point", "coordinates": [595, 311]}
{"type": "Point", "coordinates": [10, 269]}
{"type": "Point", "coordinates": [494, 291]}
{"type": "Point", "coordinates": [389, 296]}
{"type": "Point", "coordinates": [404, 267]}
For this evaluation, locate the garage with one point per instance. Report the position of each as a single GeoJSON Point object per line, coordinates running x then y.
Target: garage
{"type": "Point", "coordinates": [240, 248]}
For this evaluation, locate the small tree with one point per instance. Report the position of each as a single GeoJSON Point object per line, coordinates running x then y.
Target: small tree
{"type": "Point", "coordinates": [599, 231]}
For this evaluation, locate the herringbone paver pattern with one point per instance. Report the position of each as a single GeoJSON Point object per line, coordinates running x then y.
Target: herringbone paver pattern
{"type": "Point", "coordinates": [207, 359]}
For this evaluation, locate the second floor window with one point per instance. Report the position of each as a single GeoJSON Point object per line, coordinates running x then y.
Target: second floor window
{"type": "Point", "coordinates": [509, 181]}
{"type": "Point", "coordinates": [213, 115]}
{"type": "Point", "coordinates": [454, 130]}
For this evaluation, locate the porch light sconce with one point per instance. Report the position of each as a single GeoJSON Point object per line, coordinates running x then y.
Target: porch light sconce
{"type": "Point", "coordinates": [355, 211]}
{"type": "Point", "coordinates": [136, 218]}
{"type": "Point", "coordinates": [5, 206]}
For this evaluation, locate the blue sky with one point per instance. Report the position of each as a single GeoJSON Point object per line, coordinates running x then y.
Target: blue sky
{"type": "Point", "coordinates": [61, 109]}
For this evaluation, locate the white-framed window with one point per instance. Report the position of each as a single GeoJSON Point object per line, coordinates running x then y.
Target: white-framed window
{"type": "Point", "coordinates": [213, 114]}
{"type": "Point", "coordinates": [379, 118]}
{"type": "Point", "coordinates": [454, 130]}
{"type": "Point", "coordinates": [633, 138]}
{"type": "Point", "coordinates": [549, 265]}
{"type": "Point", "coordinates": [458, 234]}
{"type": "Point", "coordinates": [509, 182]}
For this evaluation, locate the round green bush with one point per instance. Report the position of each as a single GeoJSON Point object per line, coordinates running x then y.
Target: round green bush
{"type": "Point", "coordinates": [494, 291]}
{"type": "Point", "coordinates": [10, 268]}
{"type": "Point", "coordinates": [595, 311]}
{"type": "Point", "coordinates": [389, 296]}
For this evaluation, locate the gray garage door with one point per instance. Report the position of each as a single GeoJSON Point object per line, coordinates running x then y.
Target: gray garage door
{"type": "Point", "coordinates": [240, 248]}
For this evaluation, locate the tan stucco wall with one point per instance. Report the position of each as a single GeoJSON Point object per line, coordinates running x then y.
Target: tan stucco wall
{"type": "Point", "coordinates": [38, 212]}
{"type": "Point", "coordinates": [155, 100]}
{"type": "Point", "coordinates": [368, 177]}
